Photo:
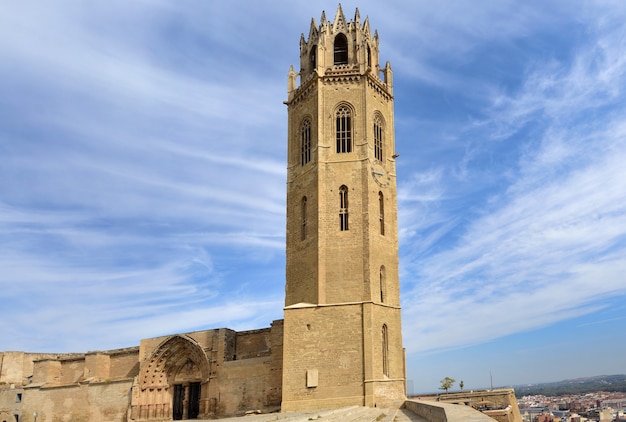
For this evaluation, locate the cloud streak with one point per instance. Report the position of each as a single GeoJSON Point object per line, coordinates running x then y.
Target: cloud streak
{"type": "Point", "coordinates": [555, 231]}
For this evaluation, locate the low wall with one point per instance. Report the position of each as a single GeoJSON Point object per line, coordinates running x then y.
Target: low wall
{"type": "Point", "coordinates": [105, 401]}
{"type": "Point", "coordinates": [445, 412]}
{"type": "Point", "coordinates": [427, 410]}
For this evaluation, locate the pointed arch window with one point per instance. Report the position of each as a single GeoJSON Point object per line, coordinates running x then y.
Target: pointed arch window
{"type": "Point", "coordinates": [385, 351]}
{"type": "Point", "coordinates": [383, 284]}
{"type": "Point", "coordinates": [381, 212]}
{"type": "Point", "coordinates": [343, 208]}
{"type": "Point", "coordinates": [305, 142]}
{"type": "Point", "coordinates": [341, 49]}
{"type": "Point", "coordinates": [304, 218]}
{"type": "Point", "coordinates": [378, 137]}
{"type": "Point", "coordinates": [344, 129]}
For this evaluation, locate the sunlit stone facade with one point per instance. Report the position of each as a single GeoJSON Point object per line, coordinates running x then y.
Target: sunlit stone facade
{"type": "Point", "coordinates": [340, 342]}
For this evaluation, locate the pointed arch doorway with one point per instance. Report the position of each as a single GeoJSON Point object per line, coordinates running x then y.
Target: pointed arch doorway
{"type": "Point", "coordinates": [173, 382]}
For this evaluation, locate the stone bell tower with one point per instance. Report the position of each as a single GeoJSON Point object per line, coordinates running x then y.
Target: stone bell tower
{"type": "Point", "coordinates": [342, 338]}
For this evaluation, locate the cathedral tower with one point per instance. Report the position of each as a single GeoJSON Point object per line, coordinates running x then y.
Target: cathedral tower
{"type": "Point", "coordinates": [342, 338]}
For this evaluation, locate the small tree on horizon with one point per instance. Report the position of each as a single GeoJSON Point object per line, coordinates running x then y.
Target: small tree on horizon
{"type": "Point", "coordinates": [461, 385]}
{"type": "Point", "coordinates": [447, 383]}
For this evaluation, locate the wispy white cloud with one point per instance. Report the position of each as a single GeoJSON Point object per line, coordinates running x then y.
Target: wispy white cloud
{"type": "Point", "coordinates": [128, 187]}
{"type": "Point", "coordinates": [549, 245]}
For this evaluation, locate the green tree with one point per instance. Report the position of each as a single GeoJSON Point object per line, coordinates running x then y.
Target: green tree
{"type": "Point", "coordinates": [447, 383]}
{"type": "Point", "coordinates": [461, 385]}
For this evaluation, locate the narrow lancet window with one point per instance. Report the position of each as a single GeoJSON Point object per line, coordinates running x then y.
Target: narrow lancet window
{"type": "Point", "coordinates": [381, 212]}
{"type": "Point", "coordinates": [378, 138]}
{"type": "Point", "coordinates": [385, 351]}
{"type": "Point", "coordinates": [343, 208]}
{"type": "Point", "coordinates": [341, 49]}
{"type": "Point", "coordinates": [382, 281]}
{"type": "Point", "coordinates": [344, 130]}
{"type": "Point", "coordinates": [305, 138]}
{"type": "Point", "coordinates": [304, 218]}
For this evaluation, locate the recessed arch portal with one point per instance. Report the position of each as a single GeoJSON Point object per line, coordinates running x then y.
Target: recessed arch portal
{"type": "Point", "coordinates": [173, 381]}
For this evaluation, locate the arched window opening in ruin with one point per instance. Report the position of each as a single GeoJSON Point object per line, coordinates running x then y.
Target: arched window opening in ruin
{"type": "Point", "coordinates": [341, 49]}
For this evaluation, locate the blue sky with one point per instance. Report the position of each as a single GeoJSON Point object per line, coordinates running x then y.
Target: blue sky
{"type": "Point", "coordinates": [142, 176]}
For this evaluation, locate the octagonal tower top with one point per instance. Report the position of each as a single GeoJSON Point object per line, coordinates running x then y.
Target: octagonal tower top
{"type": "Point", "coordinates": [339, 47]}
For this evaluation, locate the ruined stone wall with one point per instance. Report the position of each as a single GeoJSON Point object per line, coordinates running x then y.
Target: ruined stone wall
{"type": "Point", "coordinates": [239, 371]}
{"type": "Point", "coordinates": [107, 401]}
{"type": "Point", "coordinates": [252, 344]}
{"type": "Point", "coordinates": [124, 364]}
{"type": "Point", "coordinates": [12, 367]}
{"type": "Point", "coordinates": [47, 371]}
{"type": "Point", "coordinates": [17, 367]}
{"type": "Point", "coordinates": [11, 399]}
{"type": "Point", "coordinates": [72, 370]}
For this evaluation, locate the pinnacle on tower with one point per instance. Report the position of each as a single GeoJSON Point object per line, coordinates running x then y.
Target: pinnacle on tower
{"type": "Point", "coordinates": [340, 20]}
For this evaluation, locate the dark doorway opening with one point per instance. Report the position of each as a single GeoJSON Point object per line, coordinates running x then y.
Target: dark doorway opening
{"type": "Point", "coordinates": [194, 400]}
{"type": "Point", "coordinates": [179, 398]}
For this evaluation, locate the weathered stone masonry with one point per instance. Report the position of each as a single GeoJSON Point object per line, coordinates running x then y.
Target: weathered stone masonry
{"type": "Point", "coordinates": [340, 342]}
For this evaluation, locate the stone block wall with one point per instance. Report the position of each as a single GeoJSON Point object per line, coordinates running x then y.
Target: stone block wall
{"type": "Point", "coordinates": [106, 401]}
{"type": "Point", "coordinates": [11, 402]}
{"type": "Point", "coordinates": [319, 343]}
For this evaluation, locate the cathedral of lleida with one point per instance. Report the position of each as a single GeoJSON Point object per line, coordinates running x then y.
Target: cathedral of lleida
{"type": "Point", "coordinates": [340, 341]}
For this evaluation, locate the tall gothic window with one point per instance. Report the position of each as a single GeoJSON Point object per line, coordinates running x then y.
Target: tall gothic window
{"type": "Point", "coordinates": [305, 137]}
{"type": "Point", "coordinates": [378, 138]}
{"type": "Point", "coordinates": [343, 208]}
{"type": "Point", "coordinates": [304, 218]}
{"type": "Point", "coordinates": [383, 284]}
{"type": "Point", "coordinates": [341, 49]}
{"type": "Point", "coordinates": [344, 130]}
{"type": "Point", "coordinates": [381, 212]}
{"type": "Point", "coordinates": [385, 351]}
